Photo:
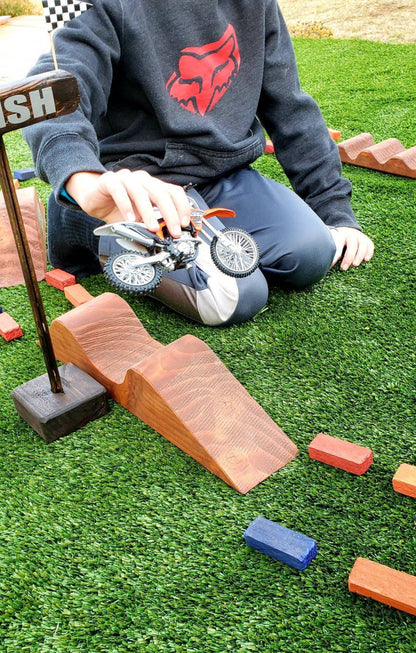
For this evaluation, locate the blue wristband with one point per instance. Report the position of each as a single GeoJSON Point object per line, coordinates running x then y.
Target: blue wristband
{"type": "Point", "coordinates": [67, 196]}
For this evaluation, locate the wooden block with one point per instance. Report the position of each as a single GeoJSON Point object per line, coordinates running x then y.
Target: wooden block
{"type": "Point", "coordinates": [335, 134]}
{"type": "Point", "coordinates": [77, 294]}
{"type": "Point", "coordinates": [59, 279]}
{"type": "Point", "coordinates": [182, 390]}
{"type": "Point", "coordinates": [340, 453]}
{"type": "Point", "coordinates": [281, 543]}
{"type": "Point", "coordinates": [33, 216]}
{"type": "Point", "coordinates": [404, 480]}
{"type": "Point", "coordinates": [388, 156]}
{"type": "Point", "coordinates": [24, 174]}
{"type": "Point", "coordinates": [383, 584]}
{"type": "Point", "coordinates": [9, 329]}
{"type": "Point", "coordinates": [269, 149]}
{"type": "Point", "coordinates": [54, 415]}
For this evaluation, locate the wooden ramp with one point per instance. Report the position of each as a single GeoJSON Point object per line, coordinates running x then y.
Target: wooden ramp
{"type": "Point", "coordinates": [388, 156]}
{"type": "Point", "coordinates": [182, 390]}
{"type": "Point", "coordinates": [33, 216]}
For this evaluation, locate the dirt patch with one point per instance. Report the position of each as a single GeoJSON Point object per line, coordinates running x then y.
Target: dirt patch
{"type": "Point", "coordinates": [376, 20]}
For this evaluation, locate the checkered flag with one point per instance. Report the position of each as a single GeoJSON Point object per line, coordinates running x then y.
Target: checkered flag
{"type": "Point", "coordinates": [59, 12]}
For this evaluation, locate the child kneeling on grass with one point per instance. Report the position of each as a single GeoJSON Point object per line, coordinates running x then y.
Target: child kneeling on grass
{"type": "Point", "coordinates": [175, 98]}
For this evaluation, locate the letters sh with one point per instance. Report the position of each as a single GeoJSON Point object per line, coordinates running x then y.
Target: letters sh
{"type": "Point", "coordinates": [20, 108]}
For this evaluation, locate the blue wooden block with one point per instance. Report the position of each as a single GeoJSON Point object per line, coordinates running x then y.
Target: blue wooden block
{"type": "Point", "coordinates": [281, 543]}
{"type": "Point", "coordinates": [24, 173]}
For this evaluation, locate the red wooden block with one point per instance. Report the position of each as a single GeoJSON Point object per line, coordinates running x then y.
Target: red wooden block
{"type": "Point", "coordinates": [340, 453]}
{"type": "Point", "coordinates": [404, 480]}
{"type": "Point", "coordinates": [77, 294]}
{"type": "Point", "coordinates": [381, 583]}
{"type": "Point", "coordinates": [59, 279]}
{"type": "Point", "coordinates": [9, 329]}
{"type": "Point", "coordinates": [269, 149]}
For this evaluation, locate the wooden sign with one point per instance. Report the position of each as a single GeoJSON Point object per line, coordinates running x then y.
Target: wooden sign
{"type": "Point", "coordinates": [24, 103]}
{"type": "Point", "coordinates": [37, 98]}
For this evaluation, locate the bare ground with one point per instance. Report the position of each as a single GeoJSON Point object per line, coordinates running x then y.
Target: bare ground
{"type": "Point", "coordinates": [376, 20]}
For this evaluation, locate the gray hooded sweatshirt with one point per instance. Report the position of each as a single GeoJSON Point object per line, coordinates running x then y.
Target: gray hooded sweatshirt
{"type": "Point", "coordinates": [185, 90]}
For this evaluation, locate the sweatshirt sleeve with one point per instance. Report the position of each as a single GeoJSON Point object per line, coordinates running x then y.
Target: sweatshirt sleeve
{"type": "Point", "coordinates": [300, 136]}
{"type": "Point", "coordinates": [88, 48]}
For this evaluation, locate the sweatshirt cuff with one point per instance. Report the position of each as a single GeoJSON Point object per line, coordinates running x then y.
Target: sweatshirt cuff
{"type": "Point", "coordinates": [62, 157]}
{"type": "Point", "coordinates": [338, 213]}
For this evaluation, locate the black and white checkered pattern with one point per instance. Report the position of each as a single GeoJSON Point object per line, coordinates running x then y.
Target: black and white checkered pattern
{"type": "Point", "coordinates": [59, 12]}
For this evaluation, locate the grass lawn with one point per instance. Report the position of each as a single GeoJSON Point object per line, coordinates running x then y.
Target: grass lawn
{"type": "Point", "coordinates": [113, 540]}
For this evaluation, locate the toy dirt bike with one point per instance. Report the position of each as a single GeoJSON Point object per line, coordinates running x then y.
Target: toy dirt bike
{"type": "Point", "coordinates": [139, 269]}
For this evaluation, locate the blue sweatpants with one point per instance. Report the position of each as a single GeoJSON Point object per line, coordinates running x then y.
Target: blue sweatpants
{"type": "Point", "coordinates": [296, 248]}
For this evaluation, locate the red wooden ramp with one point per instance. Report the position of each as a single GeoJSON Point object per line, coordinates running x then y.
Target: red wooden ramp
{"type": "Point", "coordinates": [182, 390]}
{"type": "Point", "coordinates": [387, 156]}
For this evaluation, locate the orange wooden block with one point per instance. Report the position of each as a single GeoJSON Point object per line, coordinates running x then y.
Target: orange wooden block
{"type": "Point", "coordinates": [404, 480]}
{"type": "Point", "coordinates": [340, 453]}
{"type": "Point", "coordinates": [388, 156]}
{"type": "Point", "coordinates": [9, 329]}
{"type": "Point", "coordinates": [383, 584]}
{"type": "Point", "coordinates": [335, 134]}
{"type": "Point", "coordinates": [77, 294]}
{"type": "Point", "coordinates": [182, 390]}
{"type": "Point", "coordinates": [59, 279]}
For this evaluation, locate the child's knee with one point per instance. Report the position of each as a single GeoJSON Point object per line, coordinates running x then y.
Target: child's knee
{"type": "Point", "coordinates": [253, 292]}
{"type": "Point", "coordinates": [228, 300]}
{"type": "Point", "coordinates": [306, 261]}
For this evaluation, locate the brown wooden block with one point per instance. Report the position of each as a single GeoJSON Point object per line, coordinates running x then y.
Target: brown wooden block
{"type": "Point", "coordinates": [9, 329]}
{"type": "Point", "coordinates": [340, 453]}
{"type": "Point", "coordinates": [77, 294]}
{"type": "Point", "coordinates": [33, 216]}
{"type": "Point", "coordinates": [54, 415]}
{"type": "Point", "coordinates": [404, 480]}
{"type": "Point", "coordinates": [388, 156]}
{"type": "Point", "coordinates": [59, 278]}
{"type": "Point", "coordinates": [182, 390]}
{"type": "Point", "coordinates": [383, 584]}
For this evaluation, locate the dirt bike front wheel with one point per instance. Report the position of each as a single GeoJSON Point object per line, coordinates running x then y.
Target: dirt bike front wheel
{"type": "Point", "coordinates": [235, 252]}
{"type": "Point", "coordinates": [125, 273]}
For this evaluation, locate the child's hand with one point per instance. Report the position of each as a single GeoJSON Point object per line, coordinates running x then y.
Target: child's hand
{"type": "Point", "coordinates": [353, 247]}
{"type": "Point", "coordinates": [130, 196]}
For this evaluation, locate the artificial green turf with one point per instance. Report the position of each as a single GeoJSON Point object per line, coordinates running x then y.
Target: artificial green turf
{"type": "Point", "coordinates": [113, 540]}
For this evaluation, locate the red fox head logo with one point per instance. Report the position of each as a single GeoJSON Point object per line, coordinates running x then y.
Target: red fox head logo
{"type": "Point", "coordinates": [205, 73]}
